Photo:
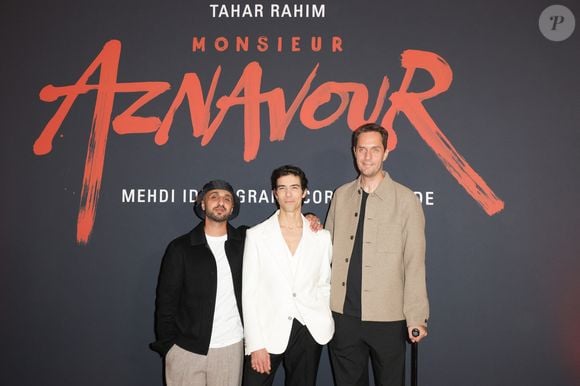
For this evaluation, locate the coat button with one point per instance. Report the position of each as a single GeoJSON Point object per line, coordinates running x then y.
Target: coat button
{"type": "Point", "coordinates": [351, 237]}
{"type": "Point", "coordinates": [294, 294]}
{"type": "Point", "coordinates": [355, 214]}
{"type": "Point", "coordinates": [346, 260]}
{"type": "Point", "coordinates": [343, 283]}
{"type": "Point", "coordinates": [289, 318]}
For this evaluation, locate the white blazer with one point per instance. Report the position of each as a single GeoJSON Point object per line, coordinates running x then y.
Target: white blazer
{"type": "Point", "coordinates": [270, 291]}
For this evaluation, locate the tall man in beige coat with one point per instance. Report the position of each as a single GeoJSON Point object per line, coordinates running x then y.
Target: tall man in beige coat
{"type": "Point", "coordinates": [378, 289]}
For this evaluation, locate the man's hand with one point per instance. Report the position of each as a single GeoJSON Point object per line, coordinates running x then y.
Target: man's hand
{"type": "Point", "coordinates": [261, 361]}
{"type": "Point", "coordinates": [422, 333]}
{"type": "Point", "coordinates": [314, 221]}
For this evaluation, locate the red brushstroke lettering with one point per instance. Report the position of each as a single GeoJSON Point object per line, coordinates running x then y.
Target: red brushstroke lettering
{"type": "Point", "coordinates": [124, 123]}
{"type": "Point", "coordinates": [411, 104]}
{"type": "Point", "coordinates": [355, 116]}
{"type": "Point", "coordinates": [247, 93]}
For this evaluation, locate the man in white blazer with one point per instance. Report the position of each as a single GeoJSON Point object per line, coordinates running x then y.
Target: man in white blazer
{"type": "Point", "coordinates": [286, 289]}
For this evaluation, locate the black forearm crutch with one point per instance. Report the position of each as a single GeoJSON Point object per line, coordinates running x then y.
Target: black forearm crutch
{"type": "Point", "coordinates": [414, 358]}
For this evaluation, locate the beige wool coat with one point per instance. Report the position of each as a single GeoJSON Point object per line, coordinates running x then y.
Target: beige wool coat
{"type": "Point", "coordinates": [393, 272]}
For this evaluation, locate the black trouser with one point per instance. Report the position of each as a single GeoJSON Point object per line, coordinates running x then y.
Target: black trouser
{"type": "Point", "coordinates": [300, 359]}
{"type": "Point", "coordinates": [355, 341]}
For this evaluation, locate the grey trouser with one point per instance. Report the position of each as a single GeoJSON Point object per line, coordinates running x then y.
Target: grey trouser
{"type": "Point", "coordinates": [220, 367]}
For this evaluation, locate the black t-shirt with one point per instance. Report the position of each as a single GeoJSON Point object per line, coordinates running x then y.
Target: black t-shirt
{"type": "Point", "coordinates": [352, 301]}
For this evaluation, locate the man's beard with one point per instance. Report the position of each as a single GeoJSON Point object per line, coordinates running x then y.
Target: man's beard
{"type": "Point", "coordinates": [217, 217]}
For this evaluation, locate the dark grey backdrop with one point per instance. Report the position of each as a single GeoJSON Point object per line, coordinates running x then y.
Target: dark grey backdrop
{"type": "Point", "coordinates": [503, 289]}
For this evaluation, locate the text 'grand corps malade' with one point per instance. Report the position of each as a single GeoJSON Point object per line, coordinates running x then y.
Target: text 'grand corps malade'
{"type": "Point", "coordinates": [247, 196]}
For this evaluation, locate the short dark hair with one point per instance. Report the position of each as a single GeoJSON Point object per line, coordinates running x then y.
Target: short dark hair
{"type": "Point", "coordinates": [288, 170]}
{"type": "Point", "coordinates": [370, 127]}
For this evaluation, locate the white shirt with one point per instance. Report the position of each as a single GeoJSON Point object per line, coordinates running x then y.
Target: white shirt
{"type": "Point", "coordinates": [293, 261]}
{"type": "Point", "coordinates": [227, 325]}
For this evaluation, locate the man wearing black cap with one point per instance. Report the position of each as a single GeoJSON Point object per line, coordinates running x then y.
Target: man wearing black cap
{"type": "Point", "coordinates": [198, 306]}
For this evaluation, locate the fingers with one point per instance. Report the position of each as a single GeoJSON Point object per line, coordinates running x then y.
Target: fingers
{"type": "Point", "coordinates": [261, 362]}
{"type": "Point", "coordinates": [418, 339]}
{"type": "Point", "coordinates": [314, 222]}
{"type": "Point", "coordinates": [262, 368]}
{"type": "Point", "coordinates": [422, 334]}
{"type": "Point", "coordinates": [257, 366]}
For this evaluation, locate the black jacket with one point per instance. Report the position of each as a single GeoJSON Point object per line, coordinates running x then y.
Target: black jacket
{"type": "Point", "coordinates": [186, 290]}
